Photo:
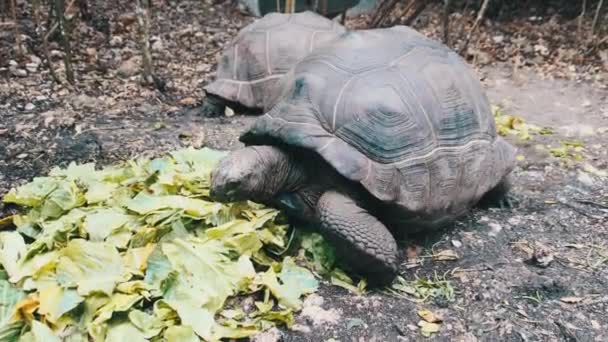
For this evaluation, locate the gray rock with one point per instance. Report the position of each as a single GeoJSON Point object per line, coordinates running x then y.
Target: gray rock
{"type": "Point", "coordinates": [18, 72]}
{"type": "Point", "coordinates": [116, 41]}
{"type": "Point", "coordinates": [130, 67]}
{"type": "Point", "coordinates": [30, 106]}
{"type": "Point", "coordinates": [35, 60]}
{"type": "Point", "coordinates": [31, 67]}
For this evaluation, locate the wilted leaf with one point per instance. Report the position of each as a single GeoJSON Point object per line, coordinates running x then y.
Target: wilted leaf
{"type": "Point", "coordinates": [33, 193]}
{"type": "Point", "coordinates": [103, 222]}
{"type": "Point", "coordinates": [9, 297]}
{"type": "Point", "coordinates": [12, 248]}
{"type": "Point", "coordinates": [319, 251]}
{"type": "Point", "coordinates": [429, 316]}
{"type": "Point", "coordinates": [180, 334]}
{"type": "Point", "coordinates": [427, 329]}
{"type": "Point", "coordinates": [149, 325]}
{"type": "Point", "coordinates": [206, 275]}
{"type": "Point", "coordinates": [118, 303]}
{"type": "Point", "coordinates": [42, 333]}
{"type": "Point", "coordinates": [56, 301]}
{"type": "Point", "coordinates": [295, 282]}
{"type": "Point", "coordinates": [136, 259]}
{"type": "Point", "coordinates": [92, 267]}
{"type": "Point", "coordinates": [124, 331]}
{"type": "Point", "coordinates": [99, 192]}
{"type": "Point", "coordinates": [200, 319]}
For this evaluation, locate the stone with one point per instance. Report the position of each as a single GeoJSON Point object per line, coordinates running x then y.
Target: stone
{"type": "Point", "coordinates": [130, 67]}
{"type": "Point", "coordinates": [116, 41]}
{"type": "Point", "coordinates": [30, 106]}
{"type": "Point", "coordinates": [157, 45]}
{"type": "Point", "coordinates": [18, 72]}
{"type": "Point", "coordinates": [35, 60]}
{"type": "Point", "coordinates": [83, 101]}
{"type": "Point", "coordinates": [31, 67]}
{"type": "Point", "coordinates": [498, 39]}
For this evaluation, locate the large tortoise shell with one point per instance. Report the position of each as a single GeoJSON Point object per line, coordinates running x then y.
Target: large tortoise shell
{"type": "Point", "coordinates": [399, 113]}
{"type": "Point", "coordinates": [262, 52]}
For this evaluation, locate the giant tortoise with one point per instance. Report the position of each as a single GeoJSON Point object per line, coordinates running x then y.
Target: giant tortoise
{"type": "Point", "coordinates": [262, 53]}
{"type": "Point", "coordinates": [384, 132]}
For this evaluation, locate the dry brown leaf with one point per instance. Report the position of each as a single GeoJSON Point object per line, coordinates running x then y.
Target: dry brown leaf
{"type": "Point", "coordinates": [187, 101]}
{"type": "Point", "coordinates": [571, 300]}
{"type": "Point", "coordinates": [446, 255]}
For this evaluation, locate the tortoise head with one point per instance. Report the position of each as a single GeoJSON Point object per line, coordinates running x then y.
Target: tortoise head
{"type": "Point", "coordinates": [238, 176]}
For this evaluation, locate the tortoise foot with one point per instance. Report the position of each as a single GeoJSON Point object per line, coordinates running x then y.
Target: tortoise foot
{"type": "Point", "coordinates": [362, 242]}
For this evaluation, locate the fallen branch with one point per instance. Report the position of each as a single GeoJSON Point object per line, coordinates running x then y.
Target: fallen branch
{"type": "Point", "coordinates": [480, 16]}
{"type": "Point", "coordinates": [47, 55]}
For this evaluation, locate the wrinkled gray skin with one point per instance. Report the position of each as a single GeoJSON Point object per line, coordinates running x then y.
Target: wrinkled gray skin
{"type": "Point", "coordinates": [309, 189]}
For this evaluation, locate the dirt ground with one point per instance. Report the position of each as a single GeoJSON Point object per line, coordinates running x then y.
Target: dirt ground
{"type": "Point", "coordinates": [536, 272]}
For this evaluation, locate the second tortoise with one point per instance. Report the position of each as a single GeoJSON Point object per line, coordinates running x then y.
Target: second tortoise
{"type": "Point", "coordinates": [260, 55]}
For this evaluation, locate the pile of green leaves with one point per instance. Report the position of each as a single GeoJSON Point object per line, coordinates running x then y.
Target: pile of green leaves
{"type": "Point", "coordinates": [138, 252]}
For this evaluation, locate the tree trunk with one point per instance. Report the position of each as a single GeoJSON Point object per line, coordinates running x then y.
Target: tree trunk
{"type": "Point", "coordinates": [65, 39]}
{"type": "Point", "coordinates": [143, 21]}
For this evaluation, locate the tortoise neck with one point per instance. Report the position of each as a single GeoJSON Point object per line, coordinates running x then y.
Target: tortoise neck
{"type": "Point", "coordinates": [283, 172]}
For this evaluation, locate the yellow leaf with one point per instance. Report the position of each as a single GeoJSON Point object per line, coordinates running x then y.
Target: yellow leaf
{"type": "Point", "coordinates": [429, 316]}
{"type": "Point", "coordinates": [24, 309]}
{"type": "Point", "coordinates": [427, 329]}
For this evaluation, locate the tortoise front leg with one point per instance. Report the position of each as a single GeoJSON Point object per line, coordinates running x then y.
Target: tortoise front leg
{"type": "Point", "coordinates": [213, 106]}
{"type": "Point", "coordinates": [360, 239]}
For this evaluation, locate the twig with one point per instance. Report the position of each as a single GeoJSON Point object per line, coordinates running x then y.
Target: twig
{"type": "Point", "coordinates": [446, 22]}
{"type": "Point", "coordinates": [581, 17]}
{"type": "Point", "coordinates": [480, 15]}
{"type": "Point", "coordinates": [36, 5]}
{"type": "Point", "coordinates": [596, 17]}
{"type": "Point", "coordinates": [45, 48]}
{"type": "Point", "coordinates": [65, 39]}
{"type": "Point", "coordinates": [17, 33]}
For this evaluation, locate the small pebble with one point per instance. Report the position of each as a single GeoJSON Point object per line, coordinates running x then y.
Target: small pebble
{"type": "Point", "coordinates": [18, 72]}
